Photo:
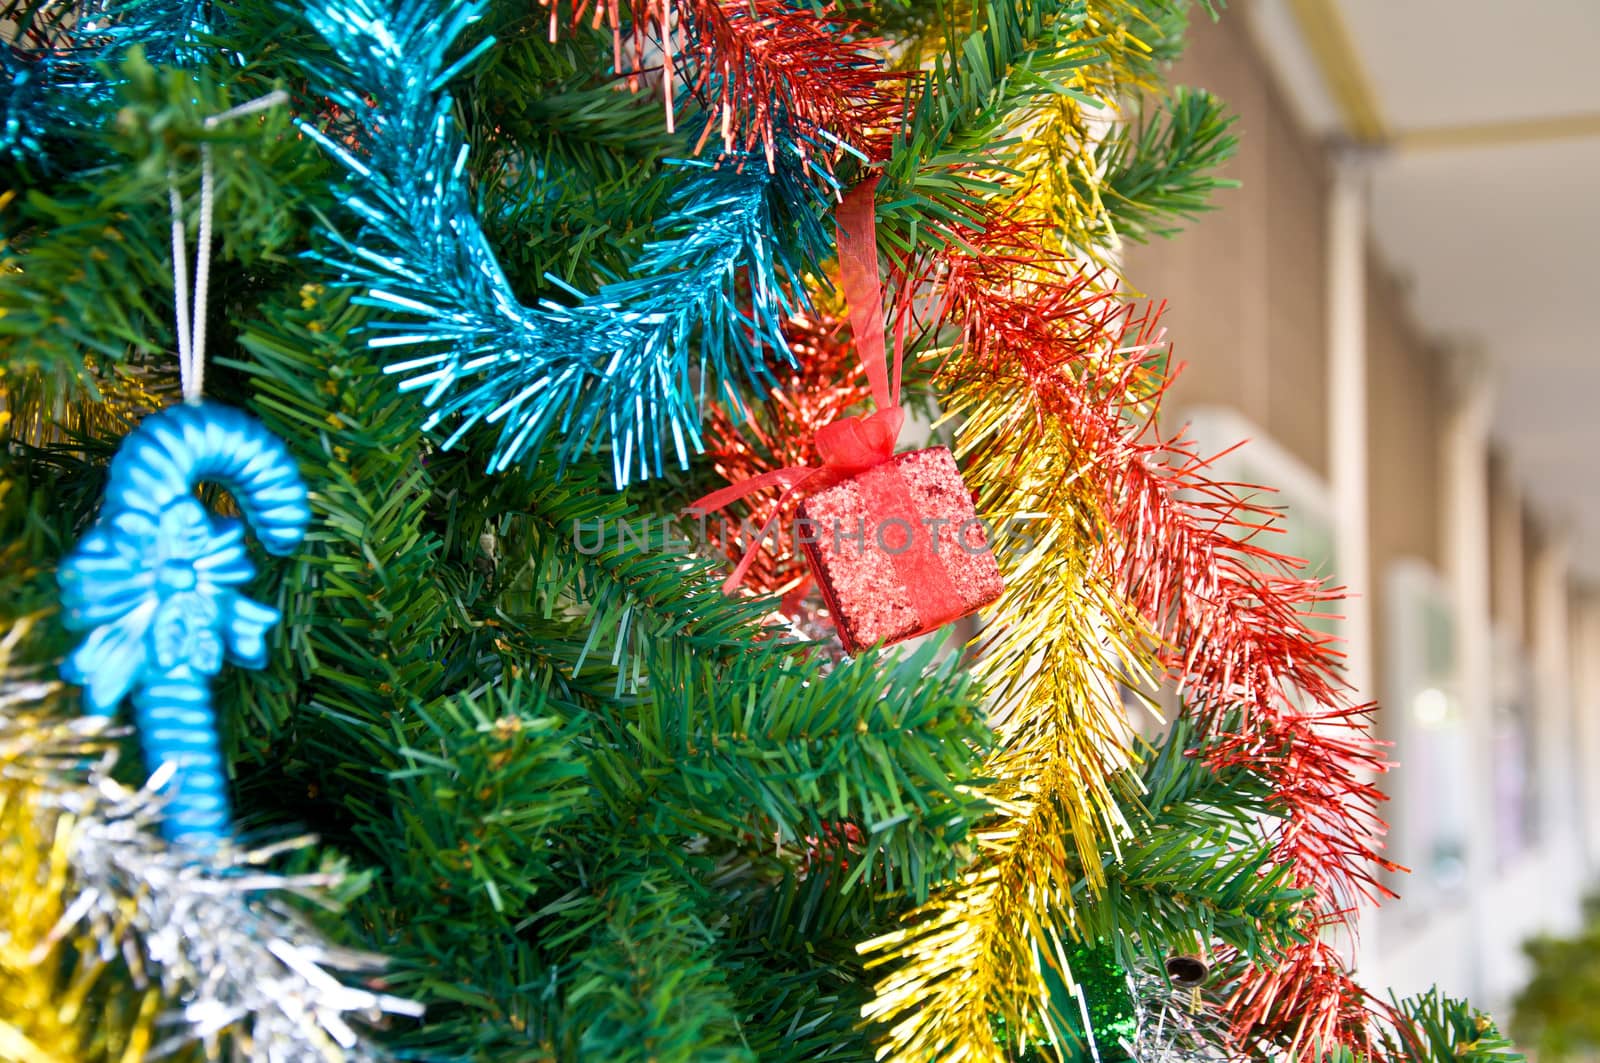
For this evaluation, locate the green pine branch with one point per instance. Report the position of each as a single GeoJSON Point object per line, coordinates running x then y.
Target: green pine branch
{"type": "Point", "coordinates": [487, 786]}
{"type": "Point", "coordinates": [1009, 57]}
{"type": "Point", "coordinates": [1162, 167]}
{"type": "Point", "coordinates": [886, 742]}
{"type": "Point", "coordinates": [1433, 1026]}
{"type": "Point", "coordinates": [571, 166]}
{"type": "Point", "coordinates": [1196, 866]}
{"type": "Point", "coordinates": [649, 986]}
{"type": "Point", "coordinates": [661, 728]}
{"type": "Point", "coordinates": [87, 267]}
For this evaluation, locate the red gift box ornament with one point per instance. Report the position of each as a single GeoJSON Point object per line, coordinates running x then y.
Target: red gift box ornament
{"type": "Point", "coordinates": [893, 540]}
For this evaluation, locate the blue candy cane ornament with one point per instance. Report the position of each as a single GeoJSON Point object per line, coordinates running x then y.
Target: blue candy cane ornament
{"type": "Point", "coordinates": [156, 581]}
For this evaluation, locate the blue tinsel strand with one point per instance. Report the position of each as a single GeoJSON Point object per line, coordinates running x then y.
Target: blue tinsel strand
{"type": "Point", "coordinates": [615, 368]}
{"type": "Point", "coordinates": [53, 82]}
{"type": "Point", "coordinates": [154, 583]}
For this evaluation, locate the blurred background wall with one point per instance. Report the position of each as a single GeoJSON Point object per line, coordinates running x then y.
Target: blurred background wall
{"type": "Point", "coordinates": [1392, 308]}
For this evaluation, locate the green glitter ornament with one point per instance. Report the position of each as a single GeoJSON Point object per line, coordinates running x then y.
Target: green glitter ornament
{"type": "Point", "coordinates": [1103, 994]}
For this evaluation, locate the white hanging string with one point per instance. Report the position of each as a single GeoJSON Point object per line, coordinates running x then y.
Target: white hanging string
{"type": "Point", "coordinates": [180, 277]}
{"type": "Point", "coordinates": [192, 327]}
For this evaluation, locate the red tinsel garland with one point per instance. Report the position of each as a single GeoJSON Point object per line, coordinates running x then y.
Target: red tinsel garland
{"type": "Point", "coordinates": [1179, 547]}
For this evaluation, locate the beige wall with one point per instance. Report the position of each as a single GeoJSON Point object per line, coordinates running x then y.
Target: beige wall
{"type": "Point", "coordinates": [1406, 409]}
{"type": "Point", "coordinates": [1508, 560]}
{"type": "Point", "coordinates": [1245, 283]}
{"type": "Point", "coordinates": [1246, 309]}
{"type": "Point", "coordinates": [1405, 420]}
{"type": "Point", "coordinates": [1515, 537]}
{"type": "Point", "coordinates": [1533, 540]}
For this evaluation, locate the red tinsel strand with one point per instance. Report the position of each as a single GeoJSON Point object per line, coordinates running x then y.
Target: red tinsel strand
{"type": "Point", "coordinates": [764, 66]}
{"type": "Point", "coordinates": [779, 432]}
{"type": "Point", "coordinates": [1304, 1003]}
{"type": "Point", "coordinates": [1180, 549]}
{"type": "Point", "coordinates": [1248, 652]}
{"type": "Point", "coordinates": [761, 68]}
{"type": "Point", "coordinates": [1251, 658]}
{"type": "Point", "coordinates": [1331, 827]}
{"type": "Point", "coordinates": [1305, 997]}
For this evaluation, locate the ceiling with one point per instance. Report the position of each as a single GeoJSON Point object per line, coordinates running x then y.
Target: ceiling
{"type": "Point", "coordinates": [1483, 124]}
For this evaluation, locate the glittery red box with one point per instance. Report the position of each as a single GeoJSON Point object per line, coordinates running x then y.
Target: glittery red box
{"type": "Point", "coordinates": [898, 549]}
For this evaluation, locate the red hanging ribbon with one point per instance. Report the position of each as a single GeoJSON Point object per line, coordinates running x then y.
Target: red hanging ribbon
{"type": "Point", "coordinates": [850, 444]}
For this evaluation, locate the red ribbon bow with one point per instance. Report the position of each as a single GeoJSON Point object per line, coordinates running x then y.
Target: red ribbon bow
{"type": "Point", "coordinates": [850, 444]}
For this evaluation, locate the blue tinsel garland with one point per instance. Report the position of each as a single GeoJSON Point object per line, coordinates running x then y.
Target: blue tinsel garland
{"type": "Point", "coordinates": [628, 366]}
{"type": "Point", "coordinates": [59, 86]}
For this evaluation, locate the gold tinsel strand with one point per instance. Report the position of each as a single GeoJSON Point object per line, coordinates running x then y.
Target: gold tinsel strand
{"type": "Point", "coordinates": [1051, 167]}
{"type": "Point", "coordinates": [105, 401]}
{"type": "Point", "coordinates": [1064, 649]}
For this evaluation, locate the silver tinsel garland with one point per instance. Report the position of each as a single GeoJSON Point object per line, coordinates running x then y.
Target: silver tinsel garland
{"type": "Point", "coordinates": [242, 973]}
{"type": "Point", "coordinates": [1175, 1025]}
{"type": "Point", "coordinates": [216, 935]}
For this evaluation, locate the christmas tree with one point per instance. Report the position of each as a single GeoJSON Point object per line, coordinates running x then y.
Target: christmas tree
{"type": "Point", "coordinates": [452, 310]}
